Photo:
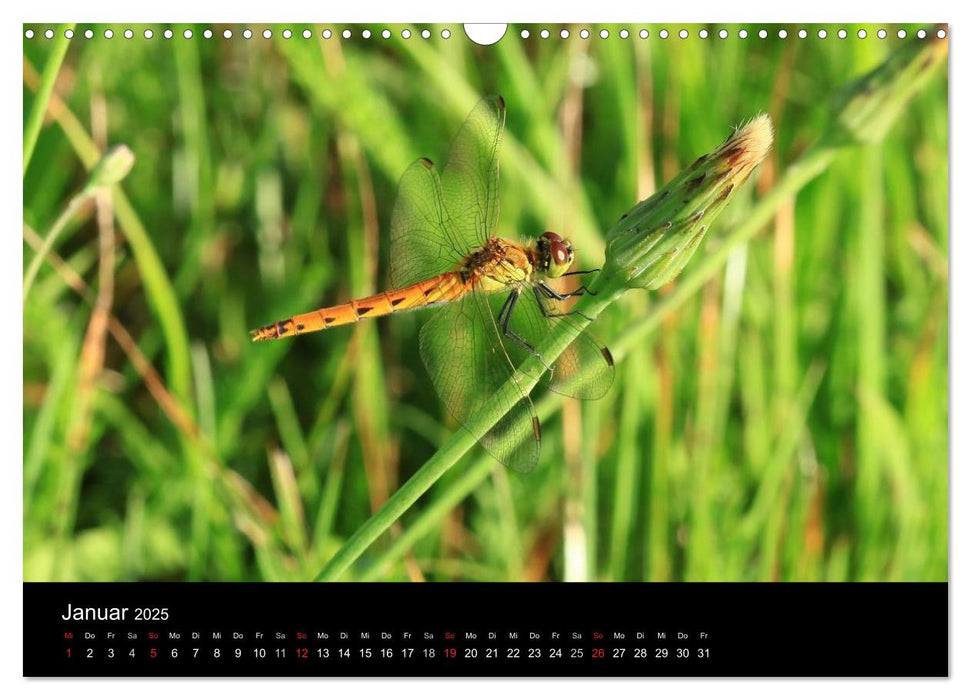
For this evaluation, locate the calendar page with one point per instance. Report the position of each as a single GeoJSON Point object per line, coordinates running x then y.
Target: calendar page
{"type": "Point", "coordinates": [485, 350]}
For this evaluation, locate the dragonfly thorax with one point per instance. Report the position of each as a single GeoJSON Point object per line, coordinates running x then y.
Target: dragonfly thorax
{"type": "Point", "coordinates": [498, 264]}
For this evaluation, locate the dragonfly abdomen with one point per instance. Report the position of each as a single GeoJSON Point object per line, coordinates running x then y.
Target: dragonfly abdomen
{"type": "Point", "coordinates": [435, 290]}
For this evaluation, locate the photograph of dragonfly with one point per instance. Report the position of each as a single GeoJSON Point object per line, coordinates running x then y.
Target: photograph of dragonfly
{"type": "Point", "coordinates": [595, 302]}
{"type": "Point", "coordinates": [448, 223]}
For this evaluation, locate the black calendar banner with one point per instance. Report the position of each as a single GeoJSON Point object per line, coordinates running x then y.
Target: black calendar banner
{"type": "Point", "coordinates": [470, 629]}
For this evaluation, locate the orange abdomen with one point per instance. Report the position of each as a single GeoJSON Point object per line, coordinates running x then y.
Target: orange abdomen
{"type": "Point", "coordinates": [436, 290]}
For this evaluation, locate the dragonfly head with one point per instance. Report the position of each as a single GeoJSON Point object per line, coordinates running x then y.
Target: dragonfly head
{"type": "Point", "coordinates": [554, 253]}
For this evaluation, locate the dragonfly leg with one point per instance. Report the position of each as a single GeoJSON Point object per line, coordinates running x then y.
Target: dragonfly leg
{"type": "Point", "coordinates": [578, 292]}
{"type": "Point", "coordinates": [505, 314]}
{"type": "Point", "coordinates": [543, 289]}
{"type": "Point", "coordinates": [553, 294]}
{"type": "Point", "coordinates": [582, 287]}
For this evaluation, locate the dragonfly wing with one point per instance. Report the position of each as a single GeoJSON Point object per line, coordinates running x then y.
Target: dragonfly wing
{"type": "Point", "coordinates": [470, 180]}
{"type": "Point", "coordinates": [584, 370]}
{"type": "Point", "coordinates": [422, 246]}
{"type": "Point", "coordinates": [465, 359]}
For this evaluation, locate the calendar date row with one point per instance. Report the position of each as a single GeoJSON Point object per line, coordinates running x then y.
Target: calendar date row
{"type": "Point", "coordinates": [387, 653]}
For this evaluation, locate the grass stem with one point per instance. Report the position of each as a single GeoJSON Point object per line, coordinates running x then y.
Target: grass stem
{"type": "Point", "coordinates": [35, 119]}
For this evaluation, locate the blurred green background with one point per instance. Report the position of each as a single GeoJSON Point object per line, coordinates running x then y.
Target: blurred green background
{"type": "Point", "coordinates": [789, 422]}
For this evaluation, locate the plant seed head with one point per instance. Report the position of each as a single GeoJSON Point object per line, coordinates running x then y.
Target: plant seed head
{"type": "Point", "coordinates": [652, 243]}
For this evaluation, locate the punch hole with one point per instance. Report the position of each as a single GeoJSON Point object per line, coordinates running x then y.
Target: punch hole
{"type": "Point", "coordinates": [446, 33]}
{"type": "Point", "coordinates": [88, 34]}
{"type": "Point", "coordinates": [167, 33]}
{"type": "Point", "coordinates": [841, 33]}
{"type": "Point", "coordinates": [604, 33]}
{"type": "Point", "coordinates": [247, 34]}
{"type": "Point", "coordinates": [564, 33]}
{"type": "Point", "coordinates": [545, 33]}
{"type": "Point", "coordinates": [702, 33]}
{"type": "Point", "coordinates": [425, 34]}
{"type": "Point", "coordinates": [901, 34]}
{"type": "Point", "coordinates": [881, 34]}
{"type": "Point", "coordinates": [683, 34]}
{"type": "Point", "coordinates": [584, 33]}
{"type": "Point", "coordinates": [723, 34]}
{"type": "Point", "coordinates": [327, 34]}
{"type": "Point", "coordinates": [743, 34]}
{"type": "Point", "coordinates": [861, 33]}
{"type": "Point", "coordinates": [941, 34]}
{"type": "Point", "coordinates": [307, 33]}
{"type": "Point", "coordinates": [346, 33]}
{"type": "Point", "coordinates": [187, 33]}
{"type": "Point", "coordinates": [227, 34]}
{"type": "Point", "coordinates": [405, 33]}
{"type": "Point", "coordinates": [68, 33]}
{"type": "Point", "coordinates": [267, 34]}
{"type": "Point", "coordinates": [783, 33]}
{"type": "Point", "coordinates": [524, 34]}
{"type": "Point", "coordinates": [207, 33]}
{"type": "Point", "coordinates": [921, 34]}
{"type": "Point", "coordinates": [366, 34]}
{"type": "Point", "coordinates": [109, 34]}
{"type": "Point", "coordinates": [128, 34]}
{"type": "Point", "coordinates": [485, 34]}
{"type": "Point", "coordinates": [49, 34]}
{"type": "Point", "coordinates": [643, 34]}
{"type": "Point", "coordinates": [287, 34]}
{"type": "Point", "coordinates": [386, 34]}
{"type": "Point", "coordinates": [624, 33]}
{"type": "Point", "coordinates": [821, 33]}
{"type": "Point", "coordinates": [663, 33]}
{"type": "Point", "coordinates": [29, 34]}
{"type": "Point", "coordinates": [763, 34]}
{"type": "Point", "coordinates": [803, 34]}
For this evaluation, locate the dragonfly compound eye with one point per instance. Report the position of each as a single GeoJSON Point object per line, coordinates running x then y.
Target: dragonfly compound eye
{"type": "Point", "coordinates": [560, 257]}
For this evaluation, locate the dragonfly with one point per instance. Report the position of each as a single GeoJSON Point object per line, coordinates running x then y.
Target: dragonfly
{"type": "Point", "coordinates": [494, 297]}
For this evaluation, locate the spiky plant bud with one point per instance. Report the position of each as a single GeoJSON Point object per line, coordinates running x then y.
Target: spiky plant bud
{"type": "Point", "coordinates": [653, 242]}
{"type": "Point", "coordinates": [113, 167]}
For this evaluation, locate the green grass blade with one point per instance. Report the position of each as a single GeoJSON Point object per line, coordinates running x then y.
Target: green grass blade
{"type": "Point", "coordinates": [35, 119]}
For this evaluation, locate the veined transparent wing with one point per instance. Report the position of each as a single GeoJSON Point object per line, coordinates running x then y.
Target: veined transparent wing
{"type": "Point", "coordinates": [422, 246]}
{"type": "Point", "coordinates": [436, 221]}
{"type": "Point", "coordinates": [464, 356]}
{"type": "Point", "coordinates": [584, 370]}
{"type": "Point", "coordinates": [470, 179]}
